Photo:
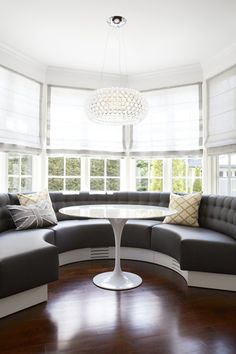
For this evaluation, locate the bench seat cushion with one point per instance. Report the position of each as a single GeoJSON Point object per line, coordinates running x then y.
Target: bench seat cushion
{"type": "Point", "coordinates": [73, 234]}
{"type": "Point", "coordinates": [137, 233]}
{"type": "Point", "coordinates": [27, 260]}
{"type": "Point", "coordinates": [196, 249]}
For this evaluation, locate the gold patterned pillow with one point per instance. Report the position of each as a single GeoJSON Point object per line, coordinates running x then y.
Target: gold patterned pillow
{"type": "Point", "coordinates": [187, 209]}
{"type": "Point", "coordinates": [35, 198]}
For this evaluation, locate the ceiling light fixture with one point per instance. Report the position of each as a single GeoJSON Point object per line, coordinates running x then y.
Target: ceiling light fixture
{"type": "Point", "coordinates": [116, 105]}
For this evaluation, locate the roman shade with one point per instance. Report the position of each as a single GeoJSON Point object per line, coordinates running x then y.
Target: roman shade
{"type": "Point", "coordinates": [69, 128]}
{"type": "Point", "coordinates": [20, 100]}
{"type": "Point", "coordinates": [221, 124]}
{"type": "Point", "coordinates": [173, 125]}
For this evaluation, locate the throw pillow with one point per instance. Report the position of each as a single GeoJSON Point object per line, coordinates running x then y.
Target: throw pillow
{"type": "Point", "coordinates": [187, 209]}
{"type": "Point", "coordinates": [33, 216]}
{"type": "Point", "coordinates": [35, 198]}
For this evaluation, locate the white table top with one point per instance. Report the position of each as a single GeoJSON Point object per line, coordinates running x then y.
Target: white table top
{"type": "Point", "coordinates": [117, 211]}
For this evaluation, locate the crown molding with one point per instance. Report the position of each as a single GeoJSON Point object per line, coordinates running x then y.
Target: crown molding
{"type": "Point", "coordinates": [167, 77]}
{"type": "Point", "coordinates": [220, 62]}
{"type": "Point", "coordinates": [196, 67]}
{"type": "Point", "coordinates": [82, 78]}
{"type": "Point", "coordinates": [18, 61]}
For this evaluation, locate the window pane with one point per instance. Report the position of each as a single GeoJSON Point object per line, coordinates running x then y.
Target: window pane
{"type": "Point", "coordinates": [197, 185]}
{"type": "Point", "coordinates": [13, 184]}
{"type": "Point", "coordinates": [97, 184]}
{"type": "Point", "coordinates": [179, 185]}
{"type": "Point", "coordinates": [73, 184]}
{"type": "Point", "coordinates": [223, 186]}
{"type": "Point", "coordinates": [157, 168]}
{"type": "Point", "coordinates": [113, 184]}
{"type": "Point", "coordinates": [73, 166]}
{"type": "Point", "coordinates": [13, 164]}
{"type": "Point", "coordinates": [233, 160]}
{"type": "Point", "coordinates": [233, 186]}
{"type": "Point", "coordinates": [26, 184]}
{"type": "Point", "coordinates": [55, 184]}
{"type": "Point", "coordinates": [56, 166]}
{"type": "Point", "coordinates": [113, 168]}
{"type": "Point", "coordinates": [141, 168]}
{"type": "Point", "coordinates": [223, 160]}
{"type": "Point", "coordinates": [156, 185]}
{"type": "Point", "coordinates": [97, 167]}
{"type": "Point", "coordinates": [26, 165]}
{"type": "Point", "coordinates": [142, 184]}
{"type": "Point", "coordinates": [178, 167]}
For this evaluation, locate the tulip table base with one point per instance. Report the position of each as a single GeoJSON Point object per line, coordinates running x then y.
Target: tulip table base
{"type": "Point", "coordinates": [113, 281]}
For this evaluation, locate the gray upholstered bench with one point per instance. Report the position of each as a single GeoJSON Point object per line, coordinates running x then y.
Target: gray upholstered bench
{"type": "Point", "coordinates": [204, 256]}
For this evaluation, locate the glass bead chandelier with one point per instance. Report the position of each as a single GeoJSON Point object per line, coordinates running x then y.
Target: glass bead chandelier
{"type": "Point", "coordinates": [116, 105]}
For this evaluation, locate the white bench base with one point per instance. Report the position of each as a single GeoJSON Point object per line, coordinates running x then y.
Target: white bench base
{"type": "Point", "coordinates": [23, 300]}
{"type": "Point", "coordinates": [196, 279]}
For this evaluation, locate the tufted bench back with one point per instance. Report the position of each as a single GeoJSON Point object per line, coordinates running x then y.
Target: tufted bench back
{"type": "Point", "coordinates": [60, 200]}
{"type": "Point", "coordinates": [6, 221]}
{"type": "Point", "coordinates": [218, 213]}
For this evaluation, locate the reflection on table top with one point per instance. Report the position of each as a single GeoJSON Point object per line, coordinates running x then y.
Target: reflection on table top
{"type": "Point", "coordinates": [117, 211]}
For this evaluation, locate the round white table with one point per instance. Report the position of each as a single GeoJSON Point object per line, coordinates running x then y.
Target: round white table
{"type": "Point", "coordinates": [117, 214]}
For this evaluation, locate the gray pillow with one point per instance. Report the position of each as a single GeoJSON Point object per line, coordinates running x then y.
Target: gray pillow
{"type": "Point", "coordinates": [33, 216]}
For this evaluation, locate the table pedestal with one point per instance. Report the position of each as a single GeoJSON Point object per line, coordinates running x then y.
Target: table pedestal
{"type": "Point", "coordinates": [117, 280]}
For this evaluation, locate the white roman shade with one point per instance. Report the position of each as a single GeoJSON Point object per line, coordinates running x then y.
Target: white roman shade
{"type": "Point", "coordinates": [69, 128]}
{"type": "Point", "coordinates": [221, 124]}
{"type": "Point", "coordinates": [173, 125]}
{"type": "Point", "coordinates": [20, 100]}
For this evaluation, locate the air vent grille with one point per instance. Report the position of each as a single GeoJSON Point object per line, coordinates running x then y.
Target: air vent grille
{"type": "Point", "coordinates": [99, 253]}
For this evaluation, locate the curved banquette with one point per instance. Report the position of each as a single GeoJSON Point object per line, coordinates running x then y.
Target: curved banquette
{"type": "Point", "coordinates": [205, 256]}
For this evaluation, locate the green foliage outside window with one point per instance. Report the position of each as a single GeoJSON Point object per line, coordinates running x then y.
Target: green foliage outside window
{"type": "Point", "coordinates": [156, 185]}
{"type": "Point", "coordinates": [178, 168]}
{"type": "Point", "coordinates": [197, 184]}
{"type": "Point", "coordinates": [113, 168]}
{"type": "Point", "coordinates": [179, 185]}
{"type": "Point", "coordinates": [13, 164]}
{"type": "Point", "coordinates": [26, 184]}
{"type": "Point", "coordinates": [141, 168]}
{"type": "Point", "coordinates": [113, 184]}
{"type": "Point", "coordinates": [97, 167]}
{"type": "Point", "coordinates": [19, 173]}
{"type": "Point", "coordinates": [151, 169]}
{"type": "Point", "coordinates": [142, 184]}
{"type": "Point", "coordinates": [56, 166]}
{"type": "Point", "coordinates": [97, 184]}
{"type": "Point", "coordinates": [26, 165]}
{"type": "Point", "coordinates": [65, 168]}
{"type": "Point", "coordinates": [13, 184]}
{"type": "Point", "coordinates": [55, 184]}
{"type": "Point", "coordinates": [156, 168]}
{"type": "Point", "coordinates": [72, 166]}
{"type": "Point", "coordinates": [72, 184]}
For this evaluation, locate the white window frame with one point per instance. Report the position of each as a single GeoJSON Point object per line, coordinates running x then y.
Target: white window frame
{"type": "Point", "coordinates": [20, 176]}
{"type": "Point", "coordinates": [104, 177]}
{"type": "Point", "coordinates": [229, 177]}
{"type": "Point", "coordinates": [64, 177]}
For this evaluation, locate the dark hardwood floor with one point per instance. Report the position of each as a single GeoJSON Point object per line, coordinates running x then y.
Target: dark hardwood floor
{"type": "Point", "coordinates": [161, 316]}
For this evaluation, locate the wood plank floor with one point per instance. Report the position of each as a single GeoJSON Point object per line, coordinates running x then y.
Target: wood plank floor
{"type": "Point", "coordinates": [161, 316]}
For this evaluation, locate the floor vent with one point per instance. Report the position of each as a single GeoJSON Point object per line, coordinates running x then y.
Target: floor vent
{"type": "Point", "coordinates": [99, 253]}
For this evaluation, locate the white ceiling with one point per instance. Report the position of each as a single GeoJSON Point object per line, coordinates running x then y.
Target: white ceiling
{"type": "Point", "coordinates": [158, 34]}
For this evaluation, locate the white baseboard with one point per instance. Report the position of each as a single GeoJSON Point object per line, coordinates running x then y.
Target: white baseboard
{"type": "Point", "coordinates": [196, 279]}
{"type": "Point", "coordinates": [212, 280]}
{"type": "Point", "coordinates": [23, 300]}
